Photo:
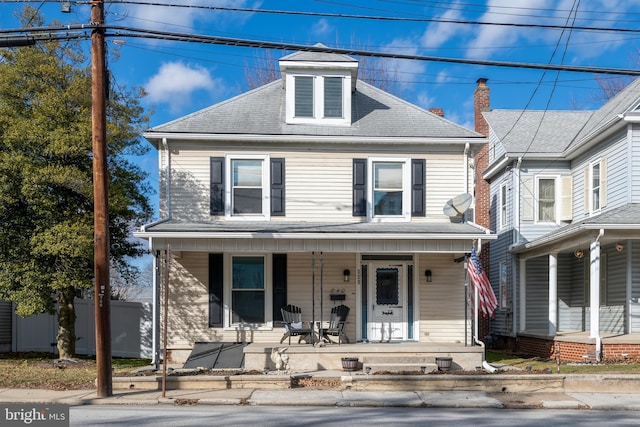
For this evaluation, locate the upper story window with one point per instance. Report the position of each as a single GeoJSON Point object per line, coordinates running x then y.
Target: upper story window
{"type": "Point", "coordinates": [546, 199]}
{"type": "Point", "coordinates": [389, 189]}
{"type": "Point", "coordinates": [595, 186]}
{"type": "Point", "coordinates": [546, 196]}
{"type": "Point", "coordinates": [503, 205]}
{"type": "Point", "coordinates": [316, 98]}
{"type": "Point", "coordinates": [250, 187]}
{"type": "Point", "coordinates": [247, 192]}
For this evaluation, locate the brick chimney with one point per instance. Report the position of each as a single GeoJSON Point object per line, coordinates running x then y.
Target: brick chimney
{"type": "Point", "coordinates": [480, 104]}
{"type": "Point", "coordinates": [482, 197]}
{"type": "Point", "coordinates": [437, 111]}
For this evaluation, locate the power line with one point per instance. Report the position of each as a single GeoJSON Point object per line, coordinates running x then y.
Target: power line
{"type": "Point", "coordinates": [380, 18]}
{"type": "Point", "coordinates": [120, 31]}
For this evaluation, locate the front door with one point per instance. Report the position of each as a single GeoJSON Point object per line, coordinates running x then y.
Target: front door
{"type": "Point", "coordinates": [387, 319]}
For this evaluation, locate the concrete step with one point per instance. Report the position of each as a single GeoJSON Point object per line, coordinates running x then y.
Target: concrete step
{"type": "Point", "coordinates": [399, 358]}
{"type": "Point", "coordinates": [424, 368]}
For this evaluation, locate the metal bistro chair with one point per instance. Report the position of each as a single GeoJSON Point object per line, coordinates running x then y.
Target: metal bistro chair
{"type": "Point", "coordinates": [293, 325]}
{"type": "Point", "coordinates": [336, 324]}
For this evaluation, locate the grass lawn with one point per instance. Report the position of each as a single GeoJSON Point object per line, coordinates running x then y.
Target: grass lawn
{"type": "Point", "coordinates": [538, 365]}
{"type": "Point", "coordinates": [40, 370]}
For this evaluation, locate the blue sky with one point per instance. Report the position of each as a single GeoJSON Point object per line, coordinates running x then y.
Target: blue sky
{"type": "Point", "coordinates": [181, 78]}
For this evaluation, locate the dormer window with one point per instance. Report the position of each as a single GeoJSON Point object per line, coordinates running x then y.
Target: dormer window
{"type": "Point", "coordinates": [318, 99]}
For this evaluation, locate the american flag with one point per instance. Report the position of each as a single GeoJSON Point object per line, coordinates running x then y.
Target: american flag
{"type": "Point", "coordinates": [487, 302]}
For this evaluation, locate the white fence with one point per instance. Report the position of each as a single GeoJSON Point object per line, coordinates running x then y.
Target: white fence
{"type": "Point", "coordinates": [131, 330]}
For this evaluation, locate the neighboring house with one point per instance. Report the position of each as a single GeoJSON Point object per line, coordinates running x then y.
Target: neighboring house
{"type": "Point", "coordinates": [313, 190]}
{"type": "Point", "coordinates": [565, 197]}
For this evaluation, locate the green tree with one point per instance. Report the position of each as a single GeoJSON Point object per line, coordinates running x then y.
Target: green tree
{"type": "Point", "coordinates": [46, 190]}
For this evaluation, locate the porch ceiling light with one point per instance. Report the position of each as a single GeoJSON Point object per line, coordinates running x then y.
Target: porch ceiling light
{"type": "Point", "coordinates": [579, 253]}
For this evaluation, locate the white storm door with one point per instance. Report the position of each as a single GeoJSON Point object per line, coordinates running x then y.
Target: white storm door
{"type": "Point", "coordinates": [386, 298]}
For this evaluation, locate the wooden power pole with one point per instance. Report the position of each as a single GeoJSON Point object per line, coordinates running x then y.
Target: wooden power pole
{"type": "Point", "coordinates": [101, 202]}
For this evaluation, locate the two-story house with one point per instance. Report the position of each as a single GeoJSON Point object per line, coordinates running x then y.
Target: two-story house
{"type": "Point", "coordinates": [565, 197]}
{"type": "Point", "coordinates": [314, 190]}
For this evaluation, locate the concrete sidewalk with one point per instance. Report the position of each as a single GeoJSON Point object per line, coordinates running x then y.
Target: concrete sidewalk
{"type": "Point", "coordinates": [330, 397]}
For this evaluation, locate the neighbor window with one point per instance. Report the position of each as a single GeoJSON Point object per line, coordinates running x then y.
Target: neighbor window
{"type": "Point", "coordinates": [547, 200]}
{"type": "Point", "coordinates": [248, 290]}
{"type": "Point", "coordinates": [247, 191]}
{"type": "Point", "coordinates": [503, 205]}
{"type": "Point", "coordinates": [595, 187]}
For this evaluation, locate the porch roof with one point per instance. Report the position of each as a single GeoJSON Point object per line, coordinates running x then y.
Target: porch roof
{"type": "Point", "coordinates": [299, 235]}
{"type": "Point", "coordinates": [620, 223]}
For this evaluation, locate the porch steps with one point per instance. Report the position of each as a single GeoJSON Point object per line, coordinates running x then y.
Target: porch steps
{"type": "Point", "coordinates": [400, 363]}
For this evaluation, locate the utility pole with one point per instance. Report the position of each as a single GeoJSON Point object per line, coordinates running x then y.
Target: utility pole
{"type": "Point", "coordinates": [101, 202]}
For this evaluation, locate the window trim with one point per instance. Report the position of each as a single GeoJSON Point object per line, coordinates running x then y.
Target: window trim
{"type": "Point", "coordinates": [228, 292]}
{"type": "Point", "coordinates": [318, 94]}
{"type": "Point", "coordinates": [266, 187]}
{"type": "Point", "coordinates": [406, 189]}
{"type": "Point", "coordinates": [556, 199]}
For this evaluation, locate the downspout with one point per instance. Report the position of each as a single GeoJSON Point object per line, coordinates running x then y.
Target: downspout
{"type": "Point", "coordinates": [598, 337]}
{"type": "Point", "coordinates": [487, 367]}
{"type": "Point", "coordinates": [466, 167]}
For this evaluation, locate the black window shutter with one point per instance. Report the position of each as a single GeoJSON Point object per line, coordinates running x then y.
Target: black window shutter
{"type": "Point", "coordinates": [359, 187]}
{"type": "Point", "coordinates": [418, 187]}
{"type": "Point", "coordinates": [279, 285]}
{"type": "Point", "coordinates": [216, 306]}
{"type": "Point", "coordinates": [216, 204]}
{"type": "Point", "coordinates": [277, 187]}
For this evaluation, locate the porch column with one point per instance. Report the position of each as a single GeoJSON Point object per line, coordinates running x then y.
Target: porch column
{"type": "Point", "coordinates": [553, 294]}
{"type": "Point", "coordinates": [522, 323]}
{"type": "Point", "coordinates": [594, 289]}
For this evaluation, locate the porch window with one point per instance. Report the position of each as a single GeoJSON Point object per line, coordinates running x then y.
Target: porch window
{"type": "Point", "coordinates": [547, 200]}
{"type": "Point", "coordinates": [248, 290]}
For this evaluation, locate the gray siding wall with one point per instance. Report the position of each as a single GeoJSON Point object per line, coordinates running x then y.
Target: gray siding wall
{"type": "Point", "coordinates": [616, 154]}
{"type": "Point", "coordinates": [537, 295]}
{"type": "Point", "coordinates": [503, 322]}
{"type": "Point", "coordinates": [634, 161]}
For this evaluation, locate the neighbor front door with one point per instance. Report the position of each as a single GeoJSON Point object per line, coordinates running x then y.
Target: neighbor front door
{"type": "Point", "coordinates": [387, 319]}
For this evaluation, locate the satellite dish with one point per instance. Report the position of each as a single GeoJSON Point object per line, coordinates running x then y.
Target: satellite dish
{"type": "Point", "coordinates": [456, 207]}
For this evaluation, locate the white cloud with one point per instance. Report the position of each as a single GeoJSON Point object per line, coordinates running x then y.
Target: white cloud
{"type": "Point", "coordinates": [321, 27]}
{"type": "Point", "coordinates": [175, 82]}
{"type": "Point", "coordinates": [438, 33]}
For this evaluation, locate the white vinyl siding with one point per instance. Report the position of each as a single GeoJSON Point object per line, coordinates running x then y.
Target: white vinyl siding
{"type": "Point", "coordinates": [442, 301]}
{"type": "Point", "coordinates": [319, 184]}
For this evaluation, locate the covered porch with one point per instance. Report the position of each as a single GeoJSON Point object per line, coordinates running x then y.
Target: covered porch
{"type": "Point", "coordinates": [414, 357]}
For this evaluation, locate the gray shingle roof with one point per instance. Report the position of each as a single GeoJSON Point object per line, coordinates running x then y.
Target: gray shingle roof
{"type": "Point", "coordinates": [553, 133]}
{"type": "Point", "coordinates": [536, 132]}
{"type": "Point", "coordinates": [375, 113]}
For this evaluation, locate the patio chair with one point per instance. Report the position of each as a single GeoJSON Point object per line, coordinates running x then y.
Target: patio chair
{"type": "Point", "coordinates": [293, 324]}
{"type": "Point", "coordinates": [336, 324]}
